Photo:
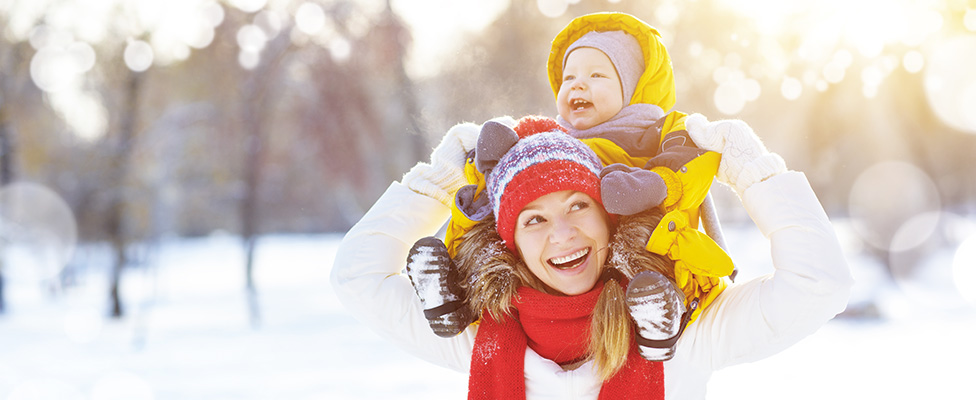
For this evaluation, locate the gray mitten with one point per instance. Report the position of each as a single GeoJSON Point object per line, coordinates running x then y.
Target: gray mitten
{"type": "Point", "coordinates": [628, 190]}
{"type": "Point", "coordinates": [494, 141]}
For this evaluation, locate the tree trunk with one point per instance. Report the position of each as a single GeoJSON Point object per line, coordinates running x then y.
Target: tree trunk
{"type": "Point", "coordinates": [6, 176]}
{"type": "Point", "coordinates": [122, 153]}
{"type": "Point", "coordinates": [249, 215]}
{"type": "Point", "coordinates": [255, 106]}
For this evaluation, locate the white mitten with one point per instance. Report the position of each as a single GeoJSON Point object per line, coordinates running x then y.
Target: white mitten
{"type": "Point", "coordinates": [444, 175]}
{"type": "Point", "coordinates": [745, 159]}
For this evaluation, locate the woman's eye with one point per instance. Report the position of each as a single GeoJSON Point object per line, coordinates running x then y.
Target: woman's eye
{"type": "Point", "coordinates": [580, 205]}
{"type": "Point", "coordinates": [533, 220]}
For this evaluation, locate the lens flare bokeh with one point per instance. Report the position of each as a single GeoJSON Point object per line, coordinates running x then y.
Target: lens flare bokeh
{"type": "Point", "coordinates": [888, 194]}
{"type": "Point", "coordinates": [950, 84]}
{"type": "Point", "coordinates": [38, 232]}
{"type": "Point", "coordinates": [964, 269]}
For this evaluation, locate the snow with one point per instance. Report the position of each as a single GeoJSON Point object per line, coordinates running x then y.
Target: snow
{"type": "Point", "coordinates": [425, 272]}
{"type": "Point", "coordinates": [188, 335]}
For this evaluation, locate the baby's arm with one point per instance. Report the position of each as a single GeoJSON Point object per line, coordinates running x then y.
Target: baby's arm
{"type": "Point", "coordinates": [676, 175]}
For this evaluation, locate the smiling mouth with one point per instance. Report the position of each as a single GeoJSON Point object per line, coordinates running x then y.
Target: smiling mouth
{"type": "Point", "coordinates": [579, 104]}
{"type": "Point", "coordinates": [571, 261]}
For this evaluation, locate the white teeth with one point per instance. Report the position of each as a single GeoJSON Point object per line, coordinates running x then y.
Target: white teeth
{"type": "Point", "coordinates": [571, 257]}
{"type": "Point", "coordinates": [579, 104]}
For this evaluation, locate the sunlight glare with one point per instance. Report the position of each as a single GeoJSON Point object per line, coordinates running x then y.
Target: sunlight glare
{"type": "Point", "coordinates": [915, 231]}
{"type": "Point", "coordinates": [310, 18]}
{"type": "Point", "coordinates": [138, 55]}
{"type": "Point", "coordinates": [83, 56]}
{"type": "Point", "coordinates": [340, 49]}
{"type": "Point", "coordinates": [46, 36]}
{"type": "Point", "coordinates": [436, 27]}
{"type": "Point", "coordinates": [213, 13]}
{"type": "Point", "coordinates": [922, 23]}
{"type": "Point", "coordinates": [54, 69]}
{"type": "Point", "coordinates": [248, 59]}
{"type": "Point", "coordinates": [871, 78]}
{"type": "Point", "coordinates": [791, 88]}
{"type": "Point", "coordinates": [552, 8]}
{"type": "Point", "coordinates": [924, 275]}
{"type": "Point", "coordinates": [834, 72]}
{"type": "Point", "coordinates": [667, 13]}
{"type": "Point", "coordinates": [44, 389]}
{"type": "Point", "coordinates": [869, 25]}
{"type": "Point", "coordinates": [964, 269]}
{"type": "Point", "coordinates": [38, 229]}
{"type": "Point", "coordinates": [886, 195]}
{"type": "Point", "coordinates": [83, 325]}
{"type": "Point", "coordinates": [270, 22]}
{"type": "Point", "coordinates": [950, 85]}
{"type": "Point", "coordinates": [729, 98]}
{"type": "Point", "coordinates": [768, 15]}
{"type": "Point", "coordinates": [118, 385]}
{"type": "Point", "coordinates": [83, 111]}
{"type": "Point", "coordinates": [251, 38]}
{"type": "Point", "coordinates": [248, 5]}
{"type": "Point", "coordinates": [913, 61]}
{"type": "Point", "coordinates": [969, 20]}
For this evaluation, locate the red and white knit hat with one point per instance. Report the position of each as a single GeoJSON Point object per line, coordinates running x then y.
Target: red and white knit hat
{"type": "Point", "coordinates": [538, 164]}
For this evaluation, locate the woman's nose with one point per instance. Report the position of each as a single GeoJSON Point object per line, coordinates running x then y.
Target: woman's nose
{"type": "Point", "coordinates": [562, 231]}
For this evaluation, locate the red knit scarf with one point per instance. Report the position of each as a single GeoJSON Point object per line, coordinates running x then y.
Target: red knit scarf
{"type": "Point", "coordinates": [556, 327]}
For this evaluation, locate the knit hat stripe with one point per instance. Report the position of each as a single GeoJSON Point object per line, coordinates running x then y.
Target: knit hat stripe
{"type": "Point", "coordinates": [542, 147]}
{"type": "Point", "coordinates": [537, 181]}
{"type": "Point", "coordinates": [535, 166]}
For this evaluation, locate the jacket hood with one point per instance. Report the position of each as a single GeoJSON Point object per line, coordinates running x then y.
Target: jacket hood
{"type": "Point", "coordinates": [656, 84]}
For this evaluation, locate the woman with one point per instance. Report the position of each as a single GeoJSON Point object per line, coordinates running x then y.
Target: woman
{"type": "Point", "coordinates": [559, 233]}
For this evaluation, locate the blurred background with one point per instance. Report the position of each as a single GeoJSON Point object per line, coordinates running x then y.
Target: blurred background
{"type": "Point", "coordinates": [181, 141]}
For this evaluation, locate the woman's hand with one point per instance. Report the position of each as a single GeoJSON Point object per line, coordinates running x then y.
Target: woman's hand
{"type": "Point", "coordinates": [444, 175]}
{"type": "Point", "coordinates": [745, 159]}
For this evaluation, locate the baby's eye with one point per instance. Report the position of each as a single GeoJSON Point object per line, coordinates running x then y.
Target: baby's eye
{"type": "Point", "coordinates": [598, 75]}
{"type": "Point", "coordinates": [568, 78]}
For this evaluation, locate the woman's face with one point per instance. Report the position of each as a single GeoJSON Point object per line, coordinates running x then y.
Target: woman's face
{"type": "Point", "coordinates": [563, 238]}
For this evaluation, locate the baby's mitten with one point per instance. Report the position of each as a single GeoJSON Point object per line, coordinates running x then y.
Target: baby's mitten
{"type": "Point", "coordinates": [628, 190]}
{"type": "Point", "coordinates": [494, 141]}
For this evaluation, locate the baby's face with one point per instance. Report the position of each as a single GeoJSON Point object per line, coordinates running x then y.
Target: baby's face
{"type": "Point", "coordinates": [591, 92]}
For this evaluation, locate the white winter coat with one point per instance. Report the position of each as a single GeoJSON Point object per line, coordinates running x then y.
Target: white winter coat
{"type": "Point", "coordinates": [749, 321]}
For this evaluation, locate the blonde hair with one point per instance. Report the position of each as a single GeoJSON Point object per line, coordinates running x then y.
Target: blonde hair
{"type": "Point", "coordinates": [611, 328]}
{"type": "Point", "coordinates": [493, 274]}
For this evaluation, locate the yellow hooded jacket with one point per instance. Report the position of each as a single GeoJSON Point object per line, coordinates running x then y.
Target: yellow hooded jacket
{"type": "Point", "coordinates": [700, 264]}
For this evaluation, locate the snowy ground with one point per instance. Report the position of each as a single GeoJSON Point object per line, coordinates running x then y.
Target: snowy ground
{"type": "Point", "coordinates": [188, 336]}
